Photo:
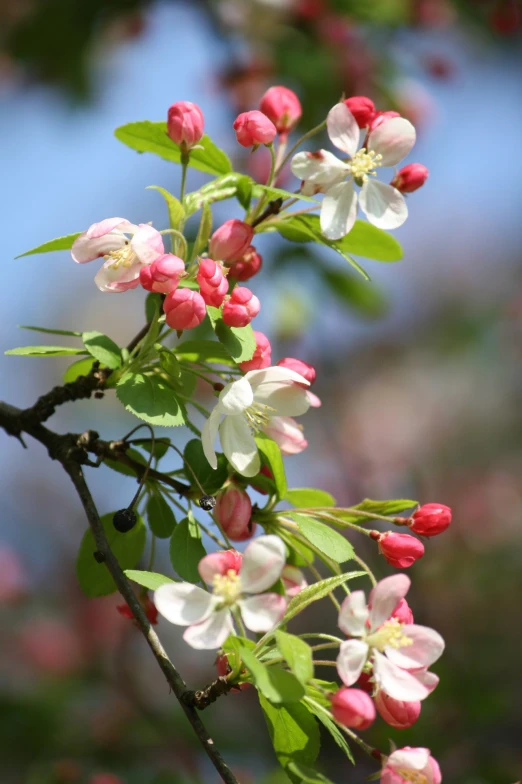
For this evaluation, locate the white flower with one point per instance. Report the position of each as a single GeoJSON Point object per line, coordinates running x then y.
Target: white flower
{"type": "Point", "coordinates": [246, 407]}
{"type": "Point", "coordinates": [382, 204]}
{"type": "Point", "coordinates": [400, 653]}
{"type": "Point", "coordinates": [235, 582]}
{"type": "Point", "coordinates": [411, 764]}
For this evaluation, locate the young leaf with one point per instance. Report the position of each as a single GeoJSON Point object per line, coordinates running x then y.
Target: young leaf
{"type": "Point", "coordinates": [307, 497]}
{"type": "Point", "coordinates": [150, 580]}
{"type": "Point", "coordinates": [315, 592]}
{"type": "Point", "coordinates": [386, 508]}
{"type": "Point", "coordinates": [199, 471]}
{"type": "Point", "coordinates": [293, 731]}
{"type": "Point", "coordinates": [204, 351]}
{"type": "Point", "coordinates": [169, 362]}
{"type": "Point", "coordinates": [149, 398]}
{"type": "Point", "coordinates": [160, 516]}
{"type": "Point", "coordinates": [82, 367]}
{"type": "Point", "coordinates": [126, 470]}
{"type": "Point", "coordinates": [307, 775]}
{"type": "Point", "coordinates": [94, 577]}
{"type": "Point", "coordinates": [174, 207]}
{"type": "Point", "coordinates": [204, 231]}
{"type": "Point", "coordinates": [298, 655]}
{"type": "Point", "coordinates": [186, 550]}
{"type": "Point", "coordinates": [52, 331]}
{"type": "Point", "coordinates": [371, 242]}
{"type": "Point", "coordinates": [161, 446]}
{"type": "Point", "coordinates": [60, 243]}
{"type": "Point", "coordinates": [278, 193]}
{"type": "Point", "coordinates": [328, 541]}
{"type": "Point", "coordinates": [44, 351]}
{"type": "Point", "coordinates": [333, 729]}
{"type": "Point", "coordinates": [103, 349]}
{"type": "Point", "coordinates": [363, 297]}
{"type": "Point", "coordinates": [273, 457]}
{"type": "Point", "coordinates": [221, 188]}
{"type": "Point", "coordinates": [239, 342]}
{"type": "Point", "coordinates": [276, 684]}
{"type": "Point", "coordinates": [153, 305]}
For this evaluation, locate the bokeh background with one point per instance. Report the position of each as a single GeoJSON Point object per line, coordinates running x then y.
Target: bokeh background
{"type": "Point", "coordinates": [419, 371]}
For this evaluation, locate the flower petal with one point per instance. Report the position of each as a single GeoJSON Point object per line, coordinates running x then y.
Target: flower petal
{"type": "Point", "coordinates": [239, 445]}
{"type": "Point", "coordinates": [320, 169]}
{"type": "Point", "coordinates": [219, 563]}
{"type": "Point", "coordinates": [396, 682]}
{"type": "Point", "coordinates": [208, 436]}
{"type": "Point", "coordinates": [352, 658]}
{"type": "Point", "coordinates": [393, 140]}
{"type": "Point", "coordinates": [280, 389]}
{"type": "Point", "coordinates": [427, 646]}
{"type": "Point", "coordinates": [86, 249]}
{"type": "Point", "coordinates": [343, 129]}
{"type": "Point", "coordinates": [385, 597]}
{"type": "Point", "coordinates": [315, 402]}
{"type": "Point", "coordinates": [383, 205]}
{"type": "Point", "coordinates": [353, 614]}
{"type": "Point", "coordinates": [263, 561]}
{"type": "Point", "coordinates": [235, 397]}
{"type": "Point", "coordinates": [212, 632]}
{"type": "Point", "coordinates": [111, 225]}
{"type": "Point", "coordinates": [287, 434]}
{"type": "Point", "coordinates": [109, 279]}
{"type": "Point", "coordinates": [183, 603]}
{"type": "Point", "coordinates": [147, 243]}
{"type": "Point", "coordinates": [261, 613]}
{"type": "Point", "coordinates": [409, 758]}
{"type": "Point", "coordinates": [427, 678]}
{"type": "Point", "coordinates": [338, 210]}
{"type": "Point", "coordinates": [274, 374]}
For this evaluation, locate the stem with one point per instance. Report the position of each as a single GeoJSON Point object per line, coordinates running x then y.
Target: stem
{"type": "Point", "coordinates": [184, 164]}
{"type": "Point", "coordinates": [281, 153]}
{"type": "Point", "coordinates": [272, 165]}
{"type": "Point", "coordinates": [152, 553]}
{"type": "Point", "coordinates": [374, 753]}
{"type": "Point", "coordinates": [181, 238]}
{"type": "Point", "coordinates": [314, 571]}
{"type": "Point", "coordinates": [366, 568]}
{"type": "Point", "coordinates": [298, 143]}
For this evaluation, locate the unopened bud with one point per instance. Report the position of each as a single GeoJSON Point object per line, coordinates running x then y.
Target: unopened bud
{"type": "Point", "coordinates": [362, 108]}
{"type": "Point", "coordinates": [231, 240]}
{"type": "Point", "coordinates": [410, 178]}
{"type": "Point", "coordinates": [298, 366]}
{"type": "Point", "coordinates": [353, 708]}
{"type": "Point", "coordinates": [163, 275]}
{"type": "Point", "coordinates": [233, 512]}
{"type": "Point", "coordinates": [398, 714]}
{"type": "Point", "coordinates": [254, 128]}
{"type": "Point", "coordinates": [282, 107]}
{"type": "Point", "coordinates": [400, 550]}
{"type": "Point", "coordinates": [213, 284]}
{"type": "Point", "coordinates": [262, 355]}
{"type": "Point", "coordinates": [247, 266]}
{"type": "Point", "coordinates": [241, 307]}
{"type": "Point", "coordinates": [185, 124]}
{"type": "Point", "coordinates": [430, 519]}
{"type": "Point", "coordinates": [184, 309]}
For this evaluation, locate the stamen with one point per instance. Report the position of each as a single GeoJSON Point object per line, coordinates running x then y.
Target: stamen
{"type": "Point", "coordinates": [258, 416]}
{"type": "Point", "coordinates": [122, 257]}
{"type": "Point", "coordinates": [227, 587]}
{"type": "Point", "coordinates": [363, 165]}
{"type": "Point", "coordinates": [389, 635]}
{"type": "Point", "coordinates": [412, 775]}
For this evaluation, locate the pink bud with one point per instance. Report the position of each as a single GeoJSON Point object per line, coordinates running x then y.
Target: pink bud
{"type": "Point", "coordinates": [380, 118]}
{"type": "Point", "coordinates": [398, 714]}
{"type": "Point", "coordinates": [400, 550]}
{"type": "Point", "coordinates": [303, 368]}
{"type": "Point", "coordinates": [287, 434]}
{"type": "Point", "coordinates": [163, 275]}
{"type": "Point", "coordinates": [231, 241]}
{"type": "Point", "coordinates": [293, 580]}
{"type": "Point", "coordinates": [362, 108]}
{"type": "Point", "coordinates": [233, 511]}
{"type": "Point", "coordinates": [184, 309]}
{"type": "Point", "coordinates": [353, 708]}
{"type": "Point", "coordinates": [410, 178]}
{"type": "Point", "coordinates": [430, 519]}
{"type": "Point", "coordinates": [262, 355]}
{"type": "Point", "coordinates": [282, 107]}
{"type": "Point", "coordinates": [241, 307]}
{"type": "Point", "coordinates": [213, 284]}
{"type": "Point", "coordinates": [185, 124]}
{"type": "Point", "coordinates": [254, 128]}
{"type": "Point", "coordinates": [264, 471]}
{"type": "Point", "coordinates": [403, 612]}
{"type": "Point", "coordinates": [247, 266]}
{"type": "Point", "coordinates": [365, 682]}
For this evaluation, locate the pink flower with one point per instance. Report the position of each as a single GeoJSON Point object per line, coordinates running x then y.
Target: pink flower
{"type": "Point", "coordinates": [397, 713]}
{"type": "Point", "coordinates": [185, 124]}
{"type": "Point", "coordinates": [163, 275]}
{"type": "Point", "coordinates": [410, 178]}
{"type": "Point", "coordinates": [293, 578]}
{"type": "Point", "coordinates": [430, 519]}
{"type": "Point", "coordinates": [353, 708]}
{"type": "Point", "coordinates": [125, 247]}
{"type": "Point", "coordinates": [282, 107]}
{"type": "Point", "coordinates": [379, 118]}
{"type": "Point", "coordinates": [233, 512]}
{"type": "Point", "coordinates": [240, 307]}
{"type": "Point", "coordinates": [362, 108]}
{"type": "Point", "coordinates": [231, 241]}
{"type": "Point", "coordinates": [254, 128]}
{"type": "Point", "coordinates": [287, 434]}
{"type": "Point", "coordinates": [247, 266]}
{"type": "Point", "coordinates": [303, 368]}
{"type": "Point", "coordinates": [184, 309]}
{"type": "Point", "coordinates": [262, 355]}
{"type": "Point", "coordinates": [400, 550]}
{"type": "Point", "coordinates": [411, 764]}
{"type": "Point", "coordinates": [213, 284]}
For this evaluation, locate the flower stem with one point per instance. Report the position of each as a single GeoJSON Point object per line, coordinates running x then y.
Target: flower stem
{"type": "Point", "coordinates": [184, 165]}
{"type": "Point", "coordinates": [272, 165]}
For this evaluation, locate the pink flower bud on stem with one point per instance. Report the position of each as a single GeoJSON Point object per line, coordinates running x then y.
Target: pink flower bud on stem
{"type": "Point", "coordinates": [233, 512]}
{"type": "Point", "coordinates": [254, 128]}
{"type": "Point", "coordinates": [185, 123]}
{"type": "Point", "coordinates": [184, 309]}
{"type": "Point", "coordinates": [430, 520]}
{"type": "Point", "coordinates": [247, 266]}
{"type": "Point", "coordinates": [353, 708]}
{"type": "Point", "coordinates": [213, 284]}
{"type": "Point", "coordinates": [305, 370]}
{"type": "Point", "coordinates": [262, 356]}
{"type": "Point", "coordinates": [410, 178]}
{"type": "Point", "coordinates": [362, 108]}
{"type": "Point", "coordinates": [240, 307]}
{"type": "Point", "coordinates": [283, 108]}
{"type": "Point", "coordinates": [400, 550]}
{"type": "Point", "coordinates": [163, 275]}
{"type": "Point", "coordinates": [398, 714]}
{"type": "Point", "coordinates": [231, 241]}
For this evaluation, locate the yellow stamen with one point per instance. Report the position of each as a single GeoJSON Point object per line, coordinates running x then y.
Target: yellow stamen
{"type": "Point", "coordinates": [227, 587]}
{"type": "Point", "coordinates": [389, 635]}
{"type": "Point", "coordinates": [122, 257]}
{"type": "Point", "coordinates": [412, 775]}
{"type": "Point", "coordinates": [258, 416]}
{"type": "Point", "coordinates": [363, 165]}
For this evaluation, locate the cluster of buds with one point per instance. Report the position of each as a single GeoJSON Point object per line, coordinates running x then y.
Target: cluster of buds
{"type": "Point", "coordinates": [402, 550]}
{"type": "Point", "coordinates": [280, 111]}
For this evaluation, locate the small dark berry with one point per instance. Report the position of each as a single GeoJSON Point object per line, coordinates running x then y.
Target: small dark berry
{"type": "Point", "coordinates": [207, 502]}
{"type": "Point", "coordinates": [98, 557]}
{"type": "Point", "coordinates": [124, 520]}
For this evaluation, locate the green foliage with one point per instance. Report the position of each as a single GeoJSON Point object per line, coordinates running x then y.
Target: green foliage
{"type": "Point", "coordinates": [160, 516]}
{"type": "Point", "coordinates": [186, 550]}
{"type": "Point", "coordinates": [204, 231]}
{"type": "Point", "coordinates": [94, 577]}
{"type": "Point", "coordinates": [330, 725]}
{"type": "Point", "coordinates": [278, 193]}
{"type": "Point", "coordinates": [103, 349]}
{"type": "Point", "coordinates": [44, 351]}
{"type": "Point", "coordinates": [126, 470]}
{"type": "Point", "coordinates": [151, 399]}
{"type": "Point", "coordinates": [274, 458]}
{"type": "Point", "coordinates": [60, 243]}
{"type": "Point", "coordinates": [153, 303]}
{"type": "Point", "coordinates": [225, 187]}
{"type": "Point", "coordinates": [52, 331]}
{"type": "Point", "coordinates": [169, 363]}
{"type": "Point", "coordinates": [200, 473]}
{"type": "Point", "coordinates": [161, 446]}
{"type": "Point", "coordinates": [315, 592]}
{"type": "Point", "coordinates": [307, 497]}
{"type": "Point", "coordinates": [293, 731]}
{"type": "Point", "coordinates": [298, 655]}
{"type": "Point", "coordinates": [365, 298]}
{"type": "Point", "coordinates": [306, 774]}
{"type": "Point", "coordinates": [329, 542]}
{"type": "Point", "coordinates": [386, 508]}
{"type": "Point", "coordinates": [82, 367]}
{"type": "Point", "coordinates": [204, 351]}
{"type": "Point", "coordinates": [174, 207]}
{"type": "Point", "coordinates": [239, 342]}
{"type": "Point", "coordinates": [274, 683]}
{"type": "Point", "coordinates": [150, 580]}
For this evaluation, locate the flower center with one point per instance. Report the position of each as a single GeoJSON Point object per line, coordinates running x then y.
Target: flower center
{"type": "Point", "coordinates": [389, 635]}
{"type": "Point", "coordinates": [363, 165]}
{"type": "Point", "coordinates": [258, 416]}
{"type": "Point", "coordinates": [412, 775]}
{"type": "Point", "coordinates": [227, 587]}
{"type": "Point", "coordinates": [122, 257]}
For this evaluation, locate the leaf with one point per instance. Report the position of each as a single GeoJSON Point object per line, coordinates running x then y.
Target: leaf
{"type": "Point", "coordinates": [152, 137]}
{"type": "Point", "coordinates": [52, 331]}
{"type": "Point", "coordinates": [274, 458]}
{"type": "Point", "coordinates": [371, 242]}
{"type": "Point", "coordinates": [160, 516]}
{"type": "Point", "coordinates": [333, 729]}
{"type": "Point", "coordinates": [103, 349]}
{"type": "Point", "coordinates": [186, 550]}
{"type": "Point", "coordinates": [307, 497]}
{"type": "Point", "coordinates": [150, 580]}
{"type": "Point", "coordinates": [204, 351]}
{"type": "Point", "coordinates": [386, 508]}
{"type": "Point", "coordinates": [174, 207]}
{"type": "Point", "coordinates": [153, 305]}
{"type": "Point", "coordinates": [60, 243]}
{"type": "Point", "coordinates": [278, 193]}
{"type": "Point", "coordinates": [161, 446]}
{"type": "Point", "coordinates": [307, 775]}
{"type": "Point", "coordinates": [44, 351]}
{"type": "Point", "coordinates": [204, 230]}
{"type": "Point", "coordinates": [293, 731]}
{"type": "Point", "coordinates": [225, 187]}
{"type": "Point", "coordinates": [124, 469]}
{"type": "Point", "coordinates": [300, 554]}
{"type": "Point", "coordinates": [328, 541]}
{"type": "Point", "coordinates": [298, 655]}
{"type": "Point", "coordinates": [364, 297]}
{"type": "Point", "coordinates": [199, 471]}
{"type": "Point", "coordinates": [315, 592]}
{"type": "Point", "coordinates": [274, 683]}
{"type": "Point", "coordinates": [94, 577]}
{"type": "Point", "coordinates": [82, 367]}
{"type": "Point", "coordinates": [239, 342]}
{"type": "Point", "coordinates": [169, 363]}
{"type": "Point", "coordinates": [151, 399]}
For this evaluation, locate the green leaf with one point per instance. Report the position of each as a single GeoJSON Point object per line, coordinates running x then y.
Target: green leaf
{"type": "Point", "coordinates": [278, 193]}
{"type": "Point", "coordinates": [307, 497]}
{"type": "Point", "coordinates": [307, 775]}
{"type": "Point", "coordinates": [300, 554]}
{"type": "Point", "coordinates": [160, 516]}
{"type": "Point", "coordinates": [169, 363]}
{"type": "Point", "coordinates": [274, 458]}
{"type": "Point", "coordinates": [94, 577]}
{"type": "Point", "coordinates": [204, 351]}
{"type": "Point", "coordinates": [293, 731]}
{"type": "Point", "coordinates": [146, 350]}
{"type": "Point", "coordinates": [151, 399]}
{"type": "Point", "coordinates": [239, 342]}
{"type": "Point", "coordinates": [153, 305]}
{"type": "Point", "coordinates": [386, 508]}
{"type": "Point", "coordinates": [186, 550]}
{"type": "Point", "coordinates": [52, 331]}
{"type": "Point", "coordinates": [224, 187]}
{"type": "Point", "coordinates": [161, 446]}
{"type": "Point", "coordinates": [44, 351]}
{"type": "Point", "coordinates": [82, 367]}
{"type": "Point", "coordinates": [174, 207]}
{"type": "Point", "coordinates": [103, 349]}
{"type": "Point", "coordinates": [204, 231]}
{"type": "Point", "coordinates": [60, 243]}
{"type": "Point", "coordinates": [315, 592]}
{"type": "Point", "coordinates": [274, 683]}
{"type": "Point", "coordinates": [333, 729]}
{"type": "Point", "coordinates": [363, 297]}
{"type": "Point", "coordinates": [152, 137]}
{"type": "Point", "coordinates": [371, 242]}
{"type": "Point", "coordinates": [298, 655]}
{"type": "Point", "coordinates": [328, 541]}
{"type": "Point", "coordinates": [126, 470]}
{"type": "Point", "coordinates": [199, 471]}
{"type": "Point", "coordinates": [150, 580]}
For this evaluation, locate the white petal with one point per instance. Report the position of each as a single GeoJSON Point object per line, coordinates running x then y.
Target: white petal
{"type": "Point", "coordinates": [111, 225]}
{"type": "Point", "coordinates": [239, 445]}
{"type": "Point", "coordinates": [393, 140]}
{"type": "Point", "coordinates": [383, 205]}
{"type": "Point", "coordinates": [235, 397]}
{"type": "Point", "coordinates": [426, 648]}
{"type": "Point", "coordinates": [319, 169]}
{"type": "Point", "coordinates": [338, 210]}
{"type": "Point", "coordinates": [353, 614]}
{"type": "Point", "coordinates": [263, 561]}
{"type": "Point", "coordinates": [212, 633]}
{"type": "Point", "coordinates": [147, 244]}
{"type": "Point", "coordinates": [396, 682]}
{"type": "Point", "coordinates": [86, 249]}
{"type": "Point", "coordinates": [409, 758]}
{"type": "Point", "coordinates": [385, 597]}
{"type": "Point", "coordinates": [427, 678]}
{"type": "Point", "coordinates": [352, 658]}
{"type": "Point", "coordinates": [343, 129]}
{"type": "Point", "coordinates": [274, 374]}
{"type": "Point", "coordinates": [183, 603]}
{"type": "Point", "coordinates": [208, 436]}
{"type": "Point", "coordinates": [113, 280]}
{"type": "Point", "coordinates": [287, 434]}
{"type": "Point", "coordinates": [261, 613]}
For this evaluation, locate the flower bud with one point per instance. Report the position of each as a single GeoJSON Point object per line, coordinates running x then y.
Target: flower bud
{"type": "Point", "coordinates": [366, 682]}
{"type": "Point", "coordinates": [410, 178]}
{"type": "Point", "coordinates": [400, 550]}
{"type": "Point", "coordinates": [231, 241]}
{"type": "Point", "coordinates": [362, 108]}
{"type": "Point", "coordinates": [247, 266]}
{"type": "Point", "coordinates": [263, 471]}
{"type": "Point", "coordinates": [298, 366]}
{"type": "Point", "coordinates": [293, 580]}
{"type": "Point", "coordinates": [254, 128]}
{"type": "Point", "coordinates": [282, 107]}
{"type": "Point", "coordinates": [398, 714]}
{"type": "Point", "coordinates": [241, 307]}
{"type": "Point", "coordinates": [213, 284]}
{"type": "Point", "coordinates": [148, 606]}
{"type": "Point", "coordinates": [353, 708]}
{"type": "Point", "coordinates": [380, 118]}
{"type": "Point", "coordinates": [185, 124]}
{"type": "Point", "coordinates": [430, 519]}
{"type": "Point", "coordinates": [403, 612]}
{"type": "Point", "coordinates": [262, 355]}
{"type": "Point", "coordinates": [184, 309]}
{"type": "Point", "coordinates": [163, 275]}
{"type": "Point", "coordinates": [233, 512]}
{"type": "Point", "coordinates": [287, 434]}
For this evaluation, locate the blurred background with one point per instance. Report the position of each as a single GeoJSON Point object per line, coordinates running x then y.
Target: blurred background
{"type": "Point", "coordinates": [419, 371]}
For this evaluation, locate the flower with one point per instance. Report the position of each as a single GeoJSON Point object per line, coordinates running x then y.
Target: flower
{"type": "Point", "coordinates": [184, 309]}
{"type": "Point", "coordinates": [247, 407]}
{"type": "Point", "coordinates": [399, 714]}
{"type": "Point", "coordinates": [261, 357]}
{"type": "Point", "coordinates": [233, 511]}
{"type": "Point", "coordinates": [185, 123]}
{"type": "Point", "coordinates": [383, 205]}
{"type": "Point", "coordinates": [353, 708]}
{"type": "Point", "coordinates": [238, 586]}
{"type": "Point", "coordinates": [400, 550]}
{"type": "Point", "coordinates": [254, 128]}
{"type": "Point", "coordinates": [430, 519]}
{"type": "Point", "coordinates": [287, 434]}
{"type": "Point", "coordinates": [163, 275]}
{"type": "Point", "coordinates": [240, 307]}
{"type": "Point", "coordinates": [124, 257]}
{"type": "Point", "coordinates": [303, 368]}
{"type": "Point", "coordinates": [213, 284]}
{"type": "Point", "coordinates": [411, 764]}
{"type": "Point", "coordinates": [399, 653]}
{"type": "Point", "coordinates": [282, 107]}
{"type": "Point", "coordinates": [231, 240]}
